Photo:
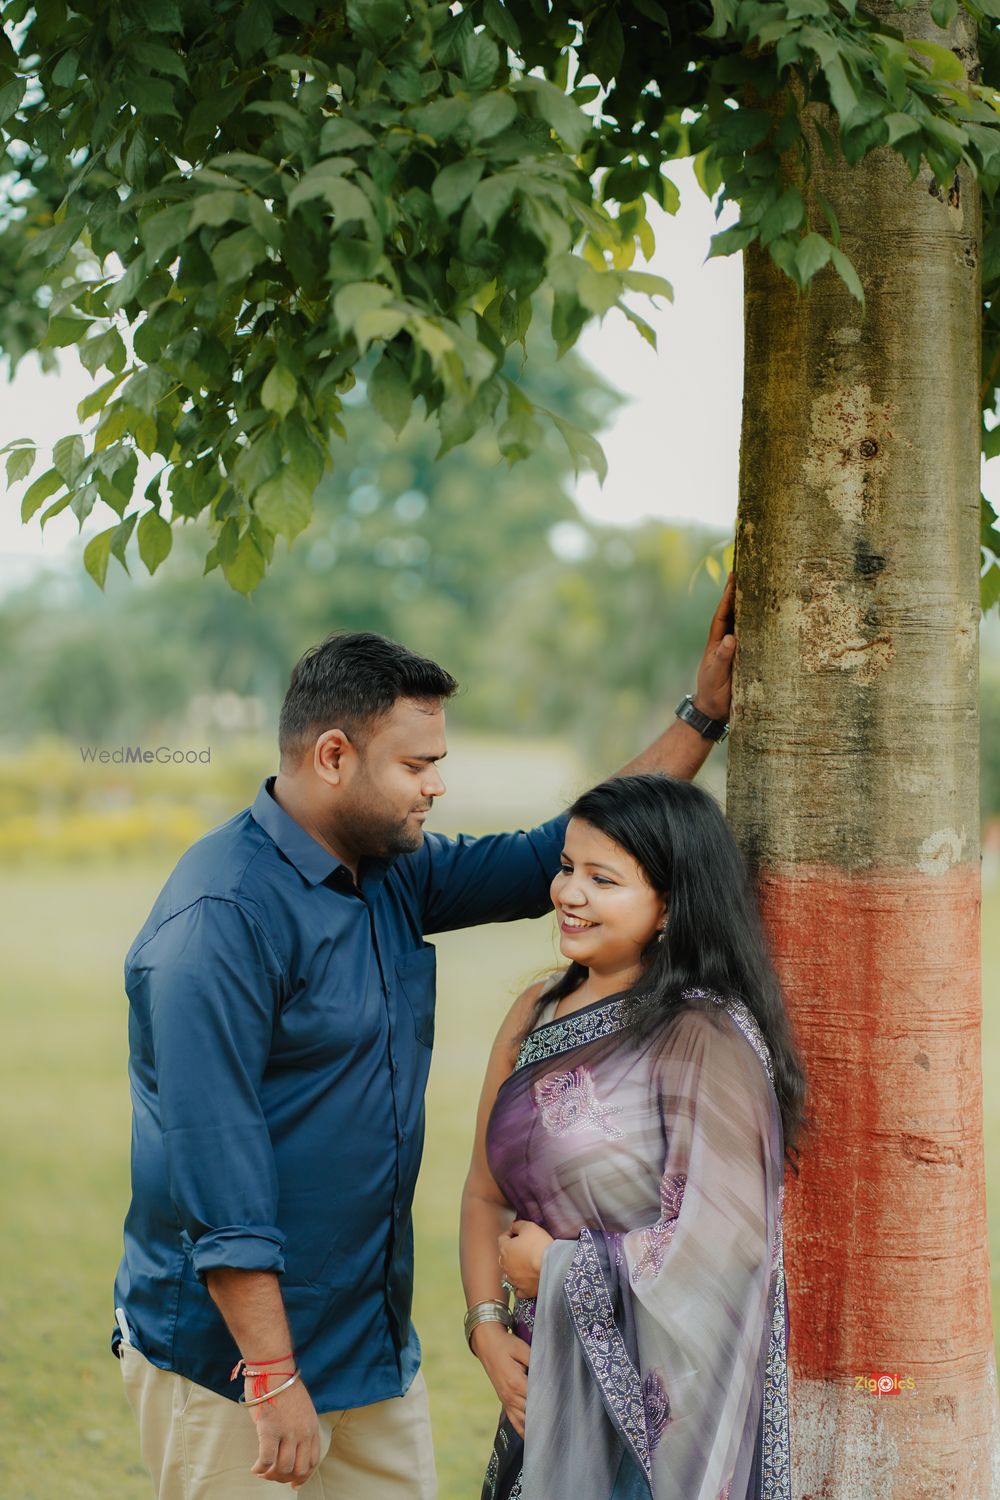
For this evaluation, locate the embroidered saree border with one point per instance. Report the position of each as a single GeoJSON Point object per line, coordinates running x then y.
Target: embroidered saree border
{"type": "Point", "coordinates": [603, 1346]}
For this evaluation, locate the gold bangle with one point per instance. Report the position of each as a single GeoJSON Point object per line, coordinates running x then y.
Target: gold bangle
{"type": "Point", "coordinates": [269, 1395]}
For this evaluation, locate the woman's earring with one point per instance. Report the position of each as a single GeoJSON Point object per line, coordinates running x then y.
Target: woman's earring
{"type": "Point", "coordinates": [661, 933]}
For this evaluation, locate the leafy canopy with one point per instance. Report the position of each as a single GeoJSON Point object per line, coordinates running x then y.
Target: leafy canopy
{"type": "Point", "coordinates": [232, 211]}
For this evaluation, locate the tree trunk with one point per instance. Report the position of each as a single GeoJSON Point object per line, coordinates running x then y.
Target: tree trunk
{"type": "Point", "coordinates": [853, 790]}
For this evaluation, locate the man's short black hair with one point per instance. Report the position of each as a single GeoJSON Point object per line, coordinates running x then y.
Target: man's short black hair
{"type": "Point", "coordinates": [348, 682]}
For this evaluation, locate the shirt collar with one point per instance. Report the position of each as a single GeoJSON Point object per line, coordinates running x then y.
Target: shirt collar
{"type": "Point", "coordinates": [314, 863]}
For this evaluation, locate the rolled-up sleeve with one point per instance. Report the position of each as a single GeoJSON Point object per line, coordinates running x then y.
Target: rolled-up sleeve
{"type": "Point", "coordinates": [209, 984]}
{"type": "Point", "coordinates": [498, 877]}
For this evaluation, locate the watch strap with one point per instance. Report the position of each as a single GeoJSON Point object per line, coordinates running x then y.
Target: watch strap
{"type": "Point", "coordinates": [709, 729]}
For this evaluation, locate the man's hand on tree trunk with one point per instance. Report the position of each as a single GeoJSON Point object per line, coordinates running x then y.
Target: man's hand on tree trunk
{"type": "Point", "coordinates": [714, 690]}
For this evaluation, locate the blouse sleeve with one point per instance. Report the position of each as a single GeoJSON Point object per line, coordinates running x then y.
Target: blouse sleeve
{"type": "Point", "coordinates": [672, 1320]}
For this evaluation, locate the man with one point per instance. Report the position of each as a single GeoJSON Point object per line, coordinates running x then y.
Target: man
{"type": "Point", "coordinates": [281, 1021]}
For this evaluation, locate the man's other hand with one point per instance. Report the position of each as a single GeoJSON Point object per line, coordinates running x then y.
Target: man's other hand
{"type": "Point", "coordinates": [288, 1437]}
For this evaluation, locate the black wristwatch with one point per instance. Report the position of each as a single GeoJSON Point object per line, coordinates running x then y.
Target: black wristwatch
{"type": "Point", "coordinates": [710, 729]}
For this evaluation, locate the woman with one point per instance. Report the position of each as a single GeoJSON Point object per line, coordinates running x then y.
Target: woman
{"type": "Point", "coordinates": [629, 1164]}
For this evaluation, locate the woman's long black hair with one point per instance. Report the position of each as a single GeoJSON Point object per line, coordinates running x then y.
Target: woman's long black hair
{"type": "Point", "coordinates": [714, 939]}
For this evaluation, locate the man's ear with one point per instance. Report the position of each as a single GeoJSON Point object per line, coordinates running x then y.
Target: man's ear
{"type": "Point", "coordinates": [329, 754]}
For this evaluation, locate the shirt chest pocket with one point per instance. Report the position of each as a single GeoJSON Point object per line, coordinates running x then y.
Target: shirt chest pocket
{"type": "Point", "coordinates": [416, 973]}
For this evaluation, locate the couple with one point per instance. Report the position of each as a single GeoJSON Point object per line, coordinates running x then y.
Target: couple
{"type": "Point", "coordinates": [281, 1020]}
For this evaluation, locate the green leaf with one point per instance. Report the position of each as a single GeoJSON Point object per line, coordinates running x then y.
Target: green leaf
{"type": "Point", "coordinates": [65, 330]}
{"type": "Point", "coordinates": [989, 588]}
{"type": "Point", "coordinates": [96, 555]}
{"type": "Point", "coordinates": [146, 389]}
{"type": "Point", "coordinates": [324, 180]}
{"type": "Point", "coordinates": [165, 230]}
{"type": "Point", "coordinates": [343, 135]}
{"type": "Point", "coordinates": [36, 494]}
{"type": "Point", "coordinates": [501, 23]}
{"type": "Point", "coordinates": [159, 15]}
{"type": "Point", "coordinates": [783, 216]}
{"type": "Point", "coordinates": [492, 198]}
{"type": "Point", "coordinates": [848, 275]}
{"type": "Point", "coordinates": [284, 503]}
{"type": "Point", "coordinates": [454, 183]}
{"type": "Point", "coordinates": [491, 114]}
{"type": "Point", "coordinates": [155, 537]}
{"type": "Point", "coordinates": [97, 400]}
{"type": "Point", "coordinates": [361, 297]}
{"type": "Point", "coordinates": [783, 252]}
{"type": "Point", "coordinates": [648, 332]}
{"type": "Point", "coordinates": [67, 69]}
{"type": "Point", "coordinates": [645, 281]}
{"type": "Point", "coordinates": [254, 28]}
{"type": "Point", "coordinates": [55, 509]}
{"type": "Point", "coordinates": [106, 349]}
{"type": "Point", "coordinates": [519, 436]}
{"type": "Point", "coordinates": [120, 535]}
{"type": "Point", "coordinates": [841, 86]}
{"type": "Point", "coordinates": [247, 566]}
{"type": "Point", "coordinates": [217, 208]}
{"type": "Point", "coordinates": [280, 390]}
{"type": "Point", "coordinates": [390, 393]}
{"type": "Point", "coordinates": [812, 255]}
{"type": "Point", "coordinates": [68, 456]}
{"type": "Point", "coordinates": [20, 464]}
{"type": "Point", "coordinates": [479, 59]}
{"type": "Point", "coordinates": [10, 98]}
{"type": "Point", "coordinates": [124, 290]}
{"type": "Point", "coordinates": [988, 536]}
{"type": "Point", "coordinates": [153, 97]}
{"type": "Point", "coordinates": [584, 449]}
{"type": "Point", "coordinates": [376, 22]}
{"type": "Point", "coordinates": [727, 241]}
{"type": "Point", "coordinates": [943, 62]}
{"type": "Point", "coordinates": [943, 12]}
{"type": "Point", "coordinates": [560, 113]}
{"type": "Point", "coordinates": [442, 119]}
{"type": "Point", "coordinates": [605, 46]}
{"type": "Point", "coordinates": [82, 501]}
{"type": "Point", "coordinates": [235, 257]}
{"type": "Point", "coordinates": [159, 56]}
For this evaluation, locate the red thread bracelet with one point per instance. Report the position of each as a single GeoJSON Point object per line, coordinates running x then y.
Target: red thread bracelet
{"type": "Point", "coordinates": [259, 1377]}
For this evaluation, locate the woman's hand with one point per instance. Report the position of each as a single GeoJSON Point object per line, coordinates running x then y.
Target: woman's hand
{"type": "Point", "coordinates": [521, 1254]}
{"type": "Point", "coordinates": [504, 1357]}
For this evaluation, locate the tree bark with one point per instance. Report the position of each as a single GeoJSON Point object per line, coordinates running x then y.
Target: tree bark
{"type": "Point", "coordinates": [853, 790]}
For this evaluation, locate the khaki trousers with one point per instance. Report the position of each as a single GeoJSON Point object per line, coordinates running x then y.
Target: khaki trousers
{"type": "Point", "coordinates": [200, 1446]}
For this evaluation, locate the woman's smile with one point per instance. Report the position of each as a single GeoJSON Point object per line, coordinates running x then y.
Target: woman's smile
{"type": "Point", "coordinates": [570, 923]}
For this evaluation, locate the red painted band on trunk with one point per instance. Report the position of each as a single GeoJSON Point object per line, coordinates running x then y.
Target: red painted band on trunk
{"type": "Point", "coordinates": [885, 1240]}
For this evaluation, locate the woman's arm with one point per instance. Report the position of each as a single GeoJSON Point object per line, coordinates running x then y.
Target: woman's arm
{"type": "Point", "coordinates": [486, 1215]}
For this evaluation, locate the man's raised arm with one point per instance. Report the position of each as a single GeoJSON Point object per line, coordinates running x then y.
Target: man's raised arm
{"type": "Point", "coordinates": [681, 750]}
{"type": "Point", "coordinates": [502, 877]}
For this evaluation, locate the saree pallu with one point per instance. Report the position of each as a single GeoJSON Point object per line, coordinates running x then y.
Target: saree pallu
{"type": "Point", "coordinates": [659, 1333]}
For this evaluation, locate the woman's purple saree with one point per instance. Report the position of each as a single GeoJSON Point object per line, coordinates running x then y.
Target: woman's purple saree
{"type": "Point", "coordinates": [659, 1333]}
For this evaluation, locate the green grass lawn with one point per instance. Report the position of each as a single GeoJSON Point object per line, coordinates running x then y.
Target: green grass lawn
{"type": "Point", "coordinates": [64, 1117]}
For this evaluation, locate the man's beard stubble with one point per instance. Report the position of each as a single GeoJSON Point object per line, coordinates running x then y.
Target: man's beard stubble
{"type": "Point", "coordinates": [367, 828]}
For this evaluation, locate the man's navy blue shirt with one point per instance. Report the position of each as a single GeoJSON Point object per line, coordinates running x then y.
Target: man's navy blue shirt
{"type": "Point", "coordinates": [280, 1029]}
